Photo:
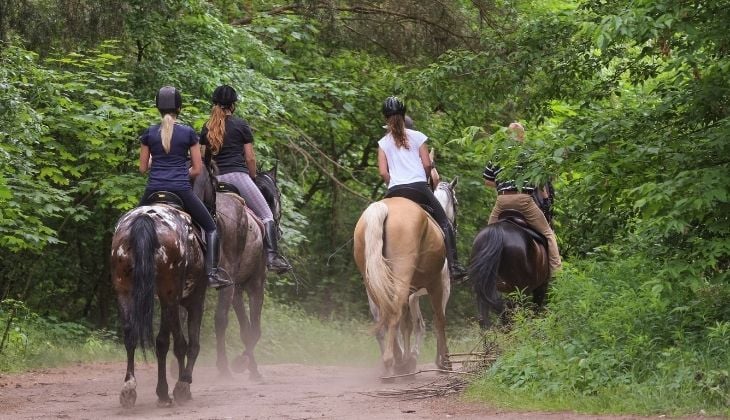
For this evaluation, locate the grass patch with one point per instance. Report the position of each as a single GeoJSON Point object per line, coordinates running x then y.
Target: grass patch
{"type": "Point", "coordinates": [289, 335]}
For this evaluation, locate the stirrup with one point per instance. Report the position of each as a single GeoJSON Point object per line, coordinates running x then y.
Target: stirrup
{"type": "Point", "coordinates": [278, 264]}
{"type": "Point", "coordinates": [217, 283]}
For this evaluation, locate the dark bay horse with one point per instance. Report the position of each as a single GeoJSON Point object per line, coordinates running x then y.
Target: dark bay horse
{"type": "Point", "coordinates": [401, 255]}
{"type": "Point", "coordinates": [244, 260]}
{"type": "Point", "coordinates": [507, 256]}
{"type": "Point", "coordinates": [156, 251]}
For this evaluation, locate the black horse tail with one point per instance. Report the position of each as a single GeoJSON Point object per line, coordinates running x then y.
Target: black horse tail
{"type": "Point", "coordinates": [144, 244]}
{"type": "Point", "coordinates": [486, 255]}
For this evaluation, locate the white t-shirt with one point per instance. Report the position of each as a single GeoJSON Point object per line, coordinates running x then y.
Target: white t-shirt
{"type": "Point", "coordinates": [404, 165]}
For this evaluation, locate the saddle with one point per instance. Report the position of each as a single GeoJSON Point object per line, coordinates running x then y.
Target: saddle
{"type": "Point", "coordinates": [173, 200]}
{"type": "Point", "coordinates": [164, 197]}
{"type": "Point", "coordinates": [412, 194]}
{"type": "Point", "coordinates": [516, 218]}
{"type": "Point", "coordinates": [225, 187]}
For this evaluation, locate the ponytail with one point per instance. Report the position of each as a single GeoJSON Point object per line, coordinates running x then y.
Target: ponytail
{"type": "Point", "coordinates": [216, 128]}
{"type": "Point", "coordinates": [166, 126]}
{"type": "Point", "coordinates": [397, 127]}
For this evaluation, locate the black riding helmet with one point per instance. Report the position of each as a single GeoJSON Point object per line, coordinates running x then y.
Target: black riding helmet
{"type": "Point", "coordinates": [168, 99]}
{"type": "Point", "coordinates": [393, 106]}
{"type": "Point", "coordinates": [224, 96]}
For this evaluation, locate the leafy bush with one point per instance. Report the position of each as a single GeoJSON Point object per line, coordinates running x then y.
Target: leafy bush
{"type": "Point", "coordinates": [30, 340]}
{"type": "Point", "coordinates": [620, 338]}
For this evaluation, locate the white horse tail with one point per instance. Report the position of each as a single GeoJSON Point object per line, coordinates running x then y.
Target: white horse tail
{"type": "Point", "coordinates": [379, 279]}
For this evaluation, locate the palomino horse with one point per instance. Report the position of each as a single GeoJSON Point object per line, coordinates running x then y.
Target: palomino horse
{"type": "Point", "coordinates": [243, 258]}
{"type": "Point", "coordinates": [508, 256]}
{"type": "Point", "coordinates": [401, 255]}
{"type": "Point", "coordinates": [156, 251]}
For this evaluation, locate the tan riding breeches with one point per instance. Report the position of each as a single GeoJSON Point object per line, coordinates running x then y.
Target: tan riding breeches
{"type": "Point", "coordinates": [534, 217]}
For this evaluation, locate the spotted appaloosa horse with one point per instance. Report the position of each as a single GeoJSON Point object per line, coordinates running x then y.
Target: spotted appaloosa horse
{"type": "Point", "coordinates": [155, 251]}
{"type": "Point", "coordinates": [401, 255]}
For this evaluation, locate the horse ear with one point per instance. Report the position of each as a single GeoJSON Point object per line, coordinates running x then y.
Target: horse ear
{"type": "Point", "coordinates": [273, 170]}
{"type": "Point", "coordinates": [432, 154]}
{"type": "Point", "coordinates": [454, 181]}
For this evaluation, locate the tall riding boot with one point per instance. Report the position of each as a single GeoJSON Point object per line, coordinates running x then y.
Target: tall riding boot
{"type": "Point", "coordinates": [456, 270]}
{"type": "Point", "coordinates": [212, 257]}
{"type": "Point", "coordinates": [274, 261]}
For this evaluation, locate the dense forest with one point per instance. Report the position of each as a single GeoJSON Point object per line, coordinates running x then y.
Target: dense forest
{"type": "Point", "coordinates": [626, 106]}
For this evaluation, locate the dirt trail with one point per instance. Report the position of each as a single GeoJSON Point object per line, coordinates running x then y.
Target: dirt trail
{"type": "Point", "coordinates": [289, 391]}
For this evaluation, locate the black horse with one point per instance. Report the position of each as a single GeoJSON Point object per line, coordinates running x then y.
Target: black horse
{"type": "Point", "coordinates": [508, 256]}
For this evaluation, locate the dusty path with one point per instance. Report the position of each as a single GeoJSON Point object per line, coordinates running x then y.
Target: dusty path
{"type": "Point", "coordinates": [289, 391]}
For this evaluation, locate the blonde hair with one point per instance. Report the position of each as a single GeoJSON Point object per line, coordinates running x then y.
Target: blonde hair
{"type": "Point", "coordinates": [166, 127]}
{"type": "Point", "coordinates": [397, 127]}
{"type": "Point", "coordinates": [518, 129]}
{"type": "Point", "coordinates": [216, 126]}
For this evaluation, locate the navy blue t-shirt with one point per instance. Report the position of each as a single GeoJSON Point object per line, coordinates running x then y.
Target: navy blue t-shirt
{"type": "Point", "coordinates": [169, 171]}
{"type": "Point", "coordinates": [230, 156]}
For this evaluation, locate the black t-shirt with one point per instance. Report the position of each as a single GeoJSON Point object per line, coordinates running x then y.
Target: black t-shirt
{"type": "Point", "coordinates": [230, 157]}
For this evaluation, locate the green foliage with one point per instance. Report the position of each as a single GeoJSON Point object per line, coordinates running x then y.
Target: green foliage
{"type": "Point", "coordinates": [612, 333]}
{"type": "Point", "coordinates": [32, 341]}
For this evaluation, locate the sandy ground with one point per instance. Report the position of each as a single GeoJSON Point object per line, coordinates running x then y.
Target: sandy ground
{"type": "Point", "coordinates": [288, 391]}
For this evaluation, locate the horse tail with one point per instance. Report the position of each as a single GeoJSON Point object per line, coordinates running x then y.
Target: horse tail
{"type": "Point", "coordinates": [379, 280]}
{"type": "Point", "coordinates": [144, 244]}
{"type": "Point", "coordinates": [485, 260]}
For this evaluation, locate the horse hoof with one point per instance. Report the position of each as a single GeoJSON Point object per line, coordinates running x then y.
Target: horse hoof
{"type": "Point", "coordinates": [164, 403]}
{"type": "Point", "coordinates": [225, 373]}
{"type": "Point", "coordinates": [128, 396]}
{"type": "Point", "coordinates": [411, 364]}
{"type": "Point", "coordinates": [255, 376]}
{"type": "Point", "coordinates": [240, 363]}
{"type": "Point", "coordinates": [182, 392]}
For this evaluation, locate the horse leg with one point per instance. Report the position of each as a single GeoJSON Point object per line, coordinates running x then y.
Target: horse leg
{"type": "Point", "coordinates": [419, 327]}
{"type": "Point", "coordinates": [380, 333]}
{"type": "Point", "coordinates": [225, 297]}
{"type": "Point", "coordinates": [405, 363]}
{"type": "Point", "coordinates": [181, 392]}
{"type": "Point", "coordinates": [241, 362]}
{"type": "Point", "coordinates": [255, 294]}
{"type": "Point", "coordinates": [195, 319]}
{"type": "Point", "coordinates": [538, 296]}
{"type": "Point", "coordinates": [162, 345]}
{"type": "Point", "coordinates": [438, 298]}
{"type": "Point", "coordinates": [128, 396]}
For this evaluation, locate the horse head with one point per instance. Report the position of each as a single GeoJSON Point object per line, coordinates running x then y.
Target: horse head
{"type": "Point", "coordinates": [205, 184]}
{"type": "Point", "coordinates": [266, 182]}
{"type": "Point", "coordinates": [446, 195]}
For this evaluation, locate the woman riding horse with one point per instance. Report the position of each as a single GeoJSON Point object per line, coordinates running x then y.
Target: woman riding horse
{"type": "Point", "coordinates": [155, 251]}
{"type": "Point", "coordinates": [517, 250]}
{"type": "Point", "coordinates": [230, 141]}
{"type": "Point", "coordinates": [403, 162]}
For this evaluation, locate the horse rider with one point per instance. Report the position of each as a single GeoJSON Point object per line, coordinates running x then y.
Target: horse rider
{"type": "Point", "coordinates": [164, 151]}
{"type": "Point", "coordinates": [509, 196]}
{"type": "Point", "coordinates": [230, 141]}
{"type": "Point", "coordinates": [403, 162]}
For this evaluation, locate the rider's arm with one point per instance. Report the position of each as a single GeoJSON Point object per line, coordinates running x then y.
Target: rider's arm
{"type": "Point", "coordinates": [425, 158]}
{"type": "Point", "coordinates": [144, 158]}
{"type": "Point", "coordinates": [195, 160]}
{"type": "Point", "coordinates": [383, 166]}
{"type": "Point", "coordinates": [250, 155]}
{"type": "Point", "coordinates": [490, 175]}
